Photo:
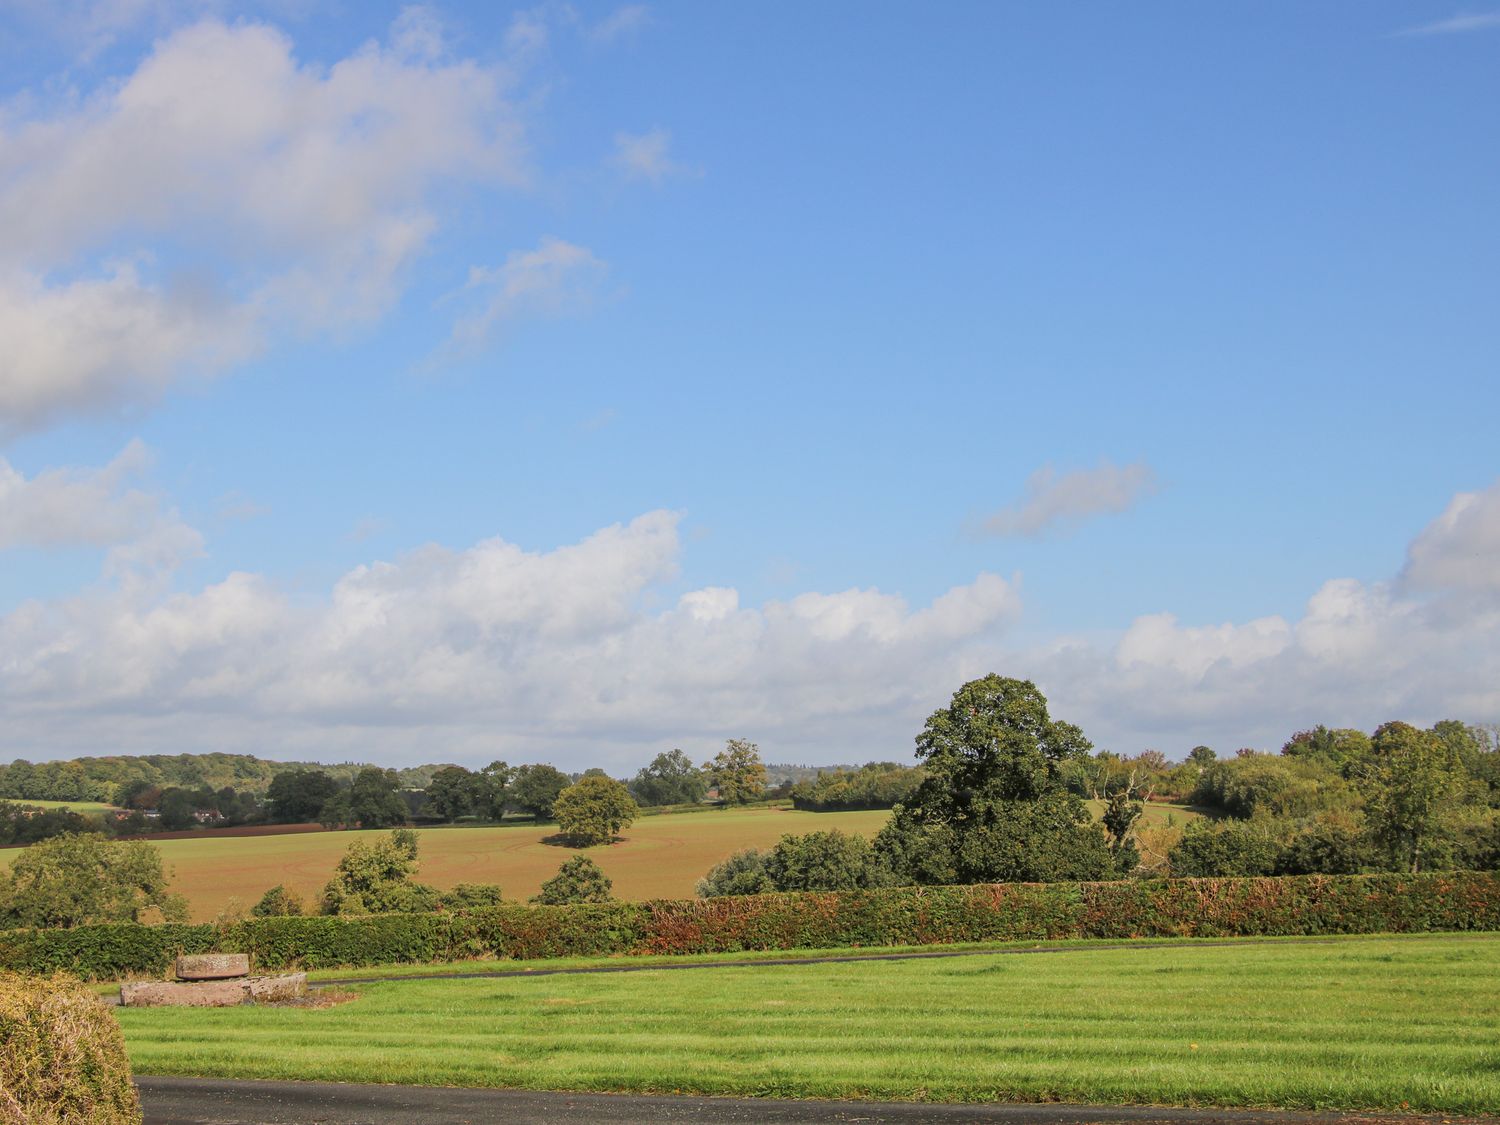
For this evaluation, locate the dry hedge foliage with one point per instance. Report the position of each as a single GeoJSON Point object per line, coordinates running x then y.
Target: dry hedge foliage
{"type": "Point", "coordinates": [62, 1057]}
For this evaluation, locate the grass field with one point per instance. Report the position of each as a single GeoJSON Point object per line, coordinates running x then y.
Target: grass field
{"type": "Point", "coordinates": [76, 806]}
{"type": "Point", "coordinates": [1386, 1023]}
{"type": "Point", "coordinates": [658, 857]}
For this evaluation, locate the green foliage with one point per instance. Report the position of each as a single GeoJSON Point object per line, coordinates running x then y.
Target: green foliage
{"type": "Point", "coordinates": [470, 896]}
{"type": "Point", "coordinates": [1342, 751]}
{"type": "Point", "coordinates": [278, 902]}
{"type": "Point", "coordinates": [62, 1058]}
{"type": "Point", "coordinates": [1316, 904]}
{"type": "Point", "coordinates": [670, 779]}
{"type": "Point", "coordinates": [1119, 820]}
{"type": "Point", "coordinates": [876, 785]}
{"type": "Point", "coordinates": [26, 824]}
{"type": "Point", "coordinates": [455, 792]}
{"type": "Point", "coordinates": [535, 789]}
{"type": "Point", "coordinates": [1327, 847]}
{"type": "Point", "coordinates": [298, 796]}
{"type": "Point", "coordinates": [743, 873]}
{"type": "Point", "coordinates": [1231, 847]}
{"type": "Point", "coordinates": [373, 800]}
{"type": "Point", "coordinates": [1263, 784]}
{"type": "Point", "coordinates": [77, 880]}
{"type": "Point", "coordinates": [376, 878]}
{"type": "Point", "coordinates": [825, 861]}
{"type": "Point", "coordinates": [737, 772]}
{"type": "Point", "coordinates": [994, 805]}
{"type": "Point", "coordinates": [1412, 774]}
{"type": "Point", "coordinates": [577, 880]}
{"type": "Point", "coordinates": [593, 809]}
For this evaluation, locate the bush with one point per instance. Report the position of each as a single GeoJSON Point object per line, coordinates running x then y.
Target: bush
{"type": "Point", "coordinates": [743, 873]}
{"type": "Point", "coordinates": [80, 879]}
{"type": "Point", "coordinates": [1231, 847]}
{"type": "Point", "coordinates": [825, 861]}
{"type": "Point", "coordinates": [1309, 904]}
{"type": "Point", "coordinates": [278, 902]}
{"type": "Point", "coordinates": [62, 1057]}
{"type": "Point", "coordinates": [470, 896]}
{"type": "Point", "coordinates": [578, 880]}
{"type": "Point", "coordinates": [377, 879]}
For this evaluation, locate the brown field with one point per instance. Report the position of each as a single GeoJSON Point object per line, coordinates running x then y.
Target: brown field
{"type": "Point", "coordinates": [658, 856]}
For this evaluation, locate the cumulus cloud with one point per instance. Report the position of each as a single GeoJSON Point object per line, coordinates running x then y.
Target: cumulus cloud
{"type": "Point", "coordinates": [486, 651]}
{"type": "Point", "coordinates": [1460, 550]}
{"type": "Point", "coordinates": [1055, 501]}
{"type": "Point", "coordinates": [579, 655]}
{"type": "Point", "coordinates": [645, 156]}
{"type": "Point", "coordinates": [305, 193]}
{"type": "Point", "coordinates": [102, 508]}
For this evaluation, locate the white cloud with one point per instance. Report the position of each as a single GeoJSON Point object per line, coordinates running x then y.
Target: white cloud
{"type": "Point", "coordinates": [619, 24]}
{"type": "Point", "coordinates": [1460, 550]}
{"type": "Point", "coordinates": [1058, 501]}
{"type": "Point", "coordinates": [555, 278]}
{"type": "Point", "coordinates": [570, 655]}
{"type": "Point", "coordinates": [1457, 25]}
{"type": "Point", "coordinates": [644, 156]}
{"type": "Point", "coordinates": [100, 508]}
{"type": "Point", "coordinates": [305, 192]}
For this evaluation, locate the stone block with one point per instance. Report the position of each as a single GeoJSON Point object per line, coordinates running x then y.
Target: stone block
{"type": "Point", "coordinates": [213, 966]}
{"type": "Point", "coordinates": [213, 993]}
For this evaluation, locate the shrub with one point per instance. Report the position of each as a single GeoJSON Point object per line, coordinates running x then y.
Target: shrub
{"type": "Point", "coordinates": [470, 896]}
{"type": "Point", "coordinates": [578, 880]}
{"type": "Point", "coordinates": [825, 861]}
{"type": "Point", "coordinates": [1226, 848]}
{"type": "Point", "coordinates": [1310, 904]}
{"type": "Point", "coordinates": [278, 902]}
{"type": "Point", "coordinates": [377, 879]}
{"type": "Point", "coordinates": [62, 1058]}
{"type": "Point", "coordinates": [743, 873]}
{"type": "Point", "coordinates": [75, 880]}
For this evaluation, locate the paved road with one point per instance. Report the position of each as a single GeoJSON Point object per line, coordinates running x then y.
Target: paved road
{"type": "Point", "coordinates": [208, 1101]}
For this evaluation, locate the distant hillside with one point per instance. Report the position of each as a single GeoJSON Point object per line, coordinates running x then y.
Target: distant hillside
{"type": "Point", "coordinates": [96, 779]}
{"type": "Point", "coordinates": [779, 772]}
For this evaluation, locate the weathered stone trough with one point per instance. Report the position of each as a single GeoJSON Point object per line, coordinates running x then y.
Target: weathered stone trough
{"type": "Point", "coordinates": [213, 980]}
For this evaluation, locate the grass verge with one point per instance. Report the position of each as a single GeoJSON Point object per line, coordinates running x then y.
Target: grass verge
{"type": "Point", "coordinates": [1375, 1024]}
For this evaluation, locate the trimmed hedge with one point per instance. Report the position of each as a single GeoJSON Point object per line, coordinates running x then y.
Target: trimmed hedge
{"type": "Point", "coordinates": [1290, 905]}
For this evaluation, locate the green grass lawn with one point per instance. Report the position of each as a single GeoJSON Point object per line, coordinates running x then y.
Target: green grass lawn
{"type": "Point", "coordinates": [76, 806]}
{"type": "Point", "coordinates": [1384, 1023]}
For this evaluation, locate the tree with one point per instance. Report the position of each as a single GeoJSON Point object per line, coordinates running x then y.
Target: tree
{"type": "Point", "coordinates": [535, 789]}
{"type": "Point", "coordinates": [278, 902]}
{"type": "Point", "coordinates": [737, 772]}
{"type": "Point", "coordinates": [1120, 816]}
{"type": "Point", "coordinates": [994, 805]}
{"type": "Point", "coordinates": [77, 880]}
{"type": "Point", "coordinates": [177, 807]}
{"type": "Point", "coordinates": [373, 800]}
{"type": "Point", "coordinates": [825, 861]}
{"type": "Point", "coordinates": [494, 780]}
{"type": "Point", "coordinates": [1202, 755]}
{"type": "Point", "coordinates": [298, 796]}
{"type": "Point", "coordinates": [593, 810]}
{"type": "Point", "coordinates": [376, 878]}
{"type": "Point", "coordinates": [470, 896]}
{"type": "Point", "coordinates": [578, 880]}
{"type": "Point", "coordinates": [1410, 776]}
{"type": "Point", "coordinates": [670, 779]}
{"type": "Point", "coordinates": [454, 792]}
{"type": "Point", "coordinates": [743, 873]}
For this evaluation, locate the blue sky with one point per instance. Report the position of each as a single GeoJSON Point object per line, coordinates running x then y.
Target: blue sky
{"type": "Point", "coordinates": [1142, 310]}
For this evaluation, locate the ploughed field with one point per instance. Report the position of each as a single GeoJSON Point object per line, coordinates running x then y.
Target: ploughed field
{"type": "Point", "coordinates": [1386, 1023]}
{"type": "Point", "coordinates": [656, 857]}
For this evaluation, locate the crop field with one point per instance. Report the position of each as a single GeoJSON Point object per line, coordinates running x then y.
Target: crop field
{"type": "Point", "coordinates": [658, 856]}
{"type": "Point", "coordinates": [1385, 1023]}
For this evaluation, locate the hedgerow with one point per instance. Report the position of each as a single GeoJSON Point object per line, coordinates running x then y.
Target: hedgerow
{"type": "Point", "coordinates": [1290, 905]}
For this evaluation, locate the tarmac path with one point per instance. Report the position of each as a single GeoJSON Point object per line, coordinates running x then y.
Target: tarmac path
{"type": "Point", "coordinates": [212, 1101]}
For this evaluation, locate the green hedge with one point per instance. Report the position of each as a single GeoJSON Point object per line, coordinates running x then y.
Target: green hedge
{"type": "Point", "coordinates": [1304, 904]}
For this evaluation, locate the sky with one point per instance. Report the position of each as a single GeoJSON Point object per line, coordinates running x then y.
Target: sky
{"type": "Point", "coordinates": [573, 382]}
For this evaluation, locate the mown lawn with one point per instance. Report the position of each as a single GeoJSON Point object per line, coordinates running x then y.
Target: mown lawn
{"type": "Point", "coordinates": [1384, 1023]}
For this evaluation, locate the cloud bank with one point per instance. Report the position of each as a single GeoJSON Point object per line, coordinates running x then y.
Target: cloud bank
{"type": "Point", "coordinates": [577, 655]}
